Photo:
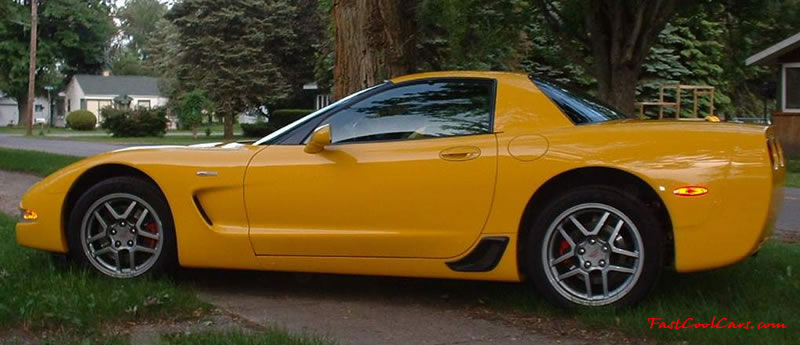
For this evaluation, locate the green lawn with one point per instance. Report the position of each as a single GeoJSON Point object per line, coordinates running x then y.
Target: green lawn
{"type": "Point", "coordinates": [217, 128]}
{"type": "Point", "coordinates": [37, 295]}
{"type": "Point", "coordinates": [765, 288]}
{"type": "Point", "coordinates": [33, 162]}
{"type": "Point", "coordinates": [793, 172]}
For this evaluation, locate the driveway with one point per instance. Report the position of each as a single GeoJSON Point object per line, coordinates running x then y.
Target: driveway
{"type": "Point", "coordinates": [64, 147]}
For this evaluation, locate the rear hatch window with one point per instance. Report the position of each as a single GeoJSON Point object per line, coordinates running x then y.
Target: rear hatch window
{"type": "Point", "coordinates": [579, 107]}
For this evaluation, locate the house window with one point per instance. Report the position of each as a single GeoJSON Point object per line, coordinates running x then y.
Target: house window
{"type": "Point", "coordinates": [791, 87]}
{"type": "Point", "coordinates": [69, 105]}
{"type": "Point", "coordinates": [143, 104]}
{"type": "Point", "coordinates": [38, 108]}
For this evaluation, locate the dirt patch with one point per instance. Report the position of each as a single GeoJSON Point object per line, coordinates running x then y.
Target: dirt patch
{"type": "Point", "coordinates": [12, 186]}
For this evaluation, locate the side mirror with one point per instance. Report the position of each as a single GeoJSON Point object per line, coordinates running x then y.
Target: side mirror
{"type": "Point", "coordinates": [319, 139]}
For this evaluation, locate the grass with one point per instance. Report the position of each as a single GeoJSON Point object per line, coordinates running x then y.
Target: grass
{"type": "Point", "coordinates": [793, 172]}
{"type": "Point", "coordinates": [765, 288]}
{"type": "Point", "coordinates": [33, 162]}
{"type": "Point", "coordinates": [37, 295]}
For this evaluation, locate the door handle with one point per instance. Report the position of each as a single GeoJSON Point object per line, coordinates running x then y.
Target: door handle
{"type": "Point", "coordinates": [460, 153]}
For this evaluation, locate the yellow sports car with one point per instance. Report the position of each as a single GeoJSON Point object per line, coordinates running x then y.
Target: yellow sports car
{"type": "Point", "coordinates": [463, 175]}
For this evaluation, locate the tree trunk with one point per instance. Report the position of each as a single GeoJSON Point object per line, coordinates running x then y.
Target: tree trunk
{"type": "Point", "coordinates": [618, 88]}
{"type": "Point", "coordinates": [194, 131]}
{"type": "Point", "coordinates": [22, 108]}
{"type": "Point", "coordinates": [228, 125]}
{"type": "Point", "coordinates": [374, 41]}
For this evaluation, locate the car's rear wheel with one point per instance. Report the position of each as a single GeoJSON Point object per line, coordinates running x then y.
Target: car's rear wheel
{"type": "Point", "coordinates": [595, 246]}
{"type": "Point", "coordinates": [122, 227]}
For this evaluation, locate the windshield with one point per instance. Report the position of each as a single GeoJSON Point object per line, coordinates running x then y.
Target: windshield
{"type": "Point", "coordinates": [579, 107]}
{"type": "Point", "coordinates": [272, 137]}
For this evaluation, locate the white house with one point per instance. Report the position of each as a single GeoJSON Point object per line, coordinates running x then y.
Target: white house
{"type": "Point", "coordinates": [94, 92]}
{"type": "Point", "coordinates": [9, 112]}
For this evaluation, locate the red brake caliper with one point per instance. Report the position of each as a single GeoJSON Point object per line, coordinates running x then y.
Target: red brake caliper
{"type": "Point", "coordinates": [152, 228]}
{"type": "Point", "coordinates": [563, 248]}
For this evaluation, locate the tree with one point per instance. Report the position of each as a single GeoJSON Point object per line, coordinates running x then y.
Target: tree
{"type": "Point", "coordinates": [138, 19]}
{"type": "Point", "coordinates": [374, 40]}
{"type": "Point", "coordinates": [73, 37]}
{"type": "Point", "coordinates": [195, 104]}
{"type": "Point", "coordinates": [229, 48]}
{"type": "Point", "coordinates": [297, 58]}
{"type": "Point", "coordinates": [164, 48]}
{"type": "Point", "coordinates": [610, 39]}
{"type": "Point", "coordinates": [127, 63]}
{"type": "Point", "coordinates": [469, 34]}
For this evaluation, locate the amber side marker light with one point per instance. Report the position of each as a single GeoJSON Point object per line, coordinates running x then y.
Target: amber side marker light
{"type": "Point", "coordinates": [29, 215]}
{"type": "Point", "coordinates": [690, 191]}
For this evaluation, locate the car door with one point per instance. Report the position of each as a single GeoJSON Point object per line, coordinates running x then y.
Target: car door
{"type": "Point", "coordinates": [410, 173]}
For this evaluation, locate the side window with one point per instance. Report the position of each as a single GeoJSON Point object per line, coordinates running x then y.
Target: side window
{"type": "Point", "coordinates": [417, 111]}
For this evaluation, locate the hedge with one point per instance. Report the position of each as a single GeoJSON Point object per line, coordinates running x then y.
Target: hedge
{"type": "Point", "coordinates": [257, 130]}
{"type": "Point", "coordinates": [81, 120]}
{"type": "Point", "coordinates": [282, 117]}
{"type": "Point", "coordinates": [135, 123]}
{"type": "Point", "coordinates": [277, 120]}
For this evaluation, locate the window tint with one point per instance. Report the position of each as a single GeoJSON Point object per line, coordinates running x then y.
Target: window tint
{"type": "Point", "coordinates": [417, 111]}
{"type": "Point", "coordinates": [580, 108]}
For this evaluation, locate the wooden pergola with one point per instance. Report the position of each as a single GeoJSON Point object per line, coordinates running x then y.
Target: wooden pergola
{"type": "Point", "coordinates": [697, 91]}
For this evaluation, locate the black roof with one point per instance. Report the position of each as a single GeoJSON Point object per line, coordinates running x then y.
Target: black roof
{"type": "Point", "coordinates": [118, 85]}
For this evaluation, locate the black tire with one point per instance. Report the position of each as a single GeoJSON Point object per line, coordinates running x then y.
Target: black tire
{"type": "Point", "coordinates": [149, 198]}
{"type": "Point", "coordinates": [539, 255]}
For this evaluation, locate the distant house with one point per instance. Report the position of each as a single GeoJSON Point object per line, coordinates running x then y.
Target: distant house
{"type": "Point", "coordinates": [9, 112]}
{"type": "Point", "coordinates": [785, 53]}
{"type": "Point", "coordinates": [95, 92]}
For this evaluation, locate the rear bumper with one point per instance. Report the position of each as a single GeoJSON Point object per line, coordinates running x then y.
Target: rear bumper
{"type": "Point", "coordinates": [742, 222]}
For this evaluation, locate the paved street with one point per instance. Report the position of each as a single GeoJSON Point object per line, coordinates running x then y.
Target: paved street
{"type": "Point", "coordinates": [789, 219]}
{"type": "Point", "coordinates": [64, 147]}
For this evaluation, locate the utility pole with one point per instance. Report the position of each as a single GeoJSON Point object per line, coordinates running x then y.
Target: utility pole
{"type": "Point", "coordinates": [32, 70]}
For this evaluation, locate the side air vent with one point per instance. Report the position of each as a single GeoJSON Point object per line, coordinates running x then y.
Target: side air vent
{"type": "Point", "coordinates": [202, 211]}
{"type": "Point", "coordinates": [483, 258]}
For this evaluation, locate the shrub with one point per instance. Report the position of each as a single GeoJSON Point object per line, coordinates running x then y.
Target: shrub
{"type": "Point", "coordinates": [192, 108]}
{"type": "Point", "coordinates": [282, 117]}
{"type": "Point", "coordinates": [135, 123]}
{"type": "Point", "coordinates": [81, 120]}
{"type": "Point", "coordinates": [258, 129]}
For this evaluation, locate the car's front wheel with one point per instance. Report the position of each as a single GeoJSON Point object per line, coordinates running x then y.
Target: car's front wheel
{"type": "Point", "coordinates": [123, 228]}
{"type": "Point", "coordinates": [595, 246]}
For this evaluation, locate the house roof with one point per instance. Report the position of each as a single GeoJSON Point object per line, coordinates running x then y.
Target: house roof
{"type": "Point", "coordinates": [118, 85]}
{"type": "Point", "coordinates": [770, 54]}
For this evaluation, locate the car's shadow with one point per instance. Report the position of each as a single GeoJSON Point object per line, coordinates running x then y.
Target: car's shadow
{"type": "Point", "coordinates": [460, 293]}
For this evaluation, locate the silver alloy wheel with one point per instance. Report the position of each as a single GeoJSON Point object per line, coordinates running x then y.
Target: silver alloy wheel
{"type": "Point", "coordinates": [593, 254]}
{"type": "Point", "coordinates": [121, 235]}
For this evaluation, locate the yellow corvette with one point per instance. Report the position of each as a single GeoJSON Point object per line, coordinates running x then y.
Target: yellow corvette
{"type": "Point", "coordinates": [464, 175]}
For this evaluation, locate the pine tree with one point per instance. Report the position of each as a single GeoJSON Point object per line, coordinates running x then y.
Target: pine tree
{"type": "Point", "coordinates": [232, 49]}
